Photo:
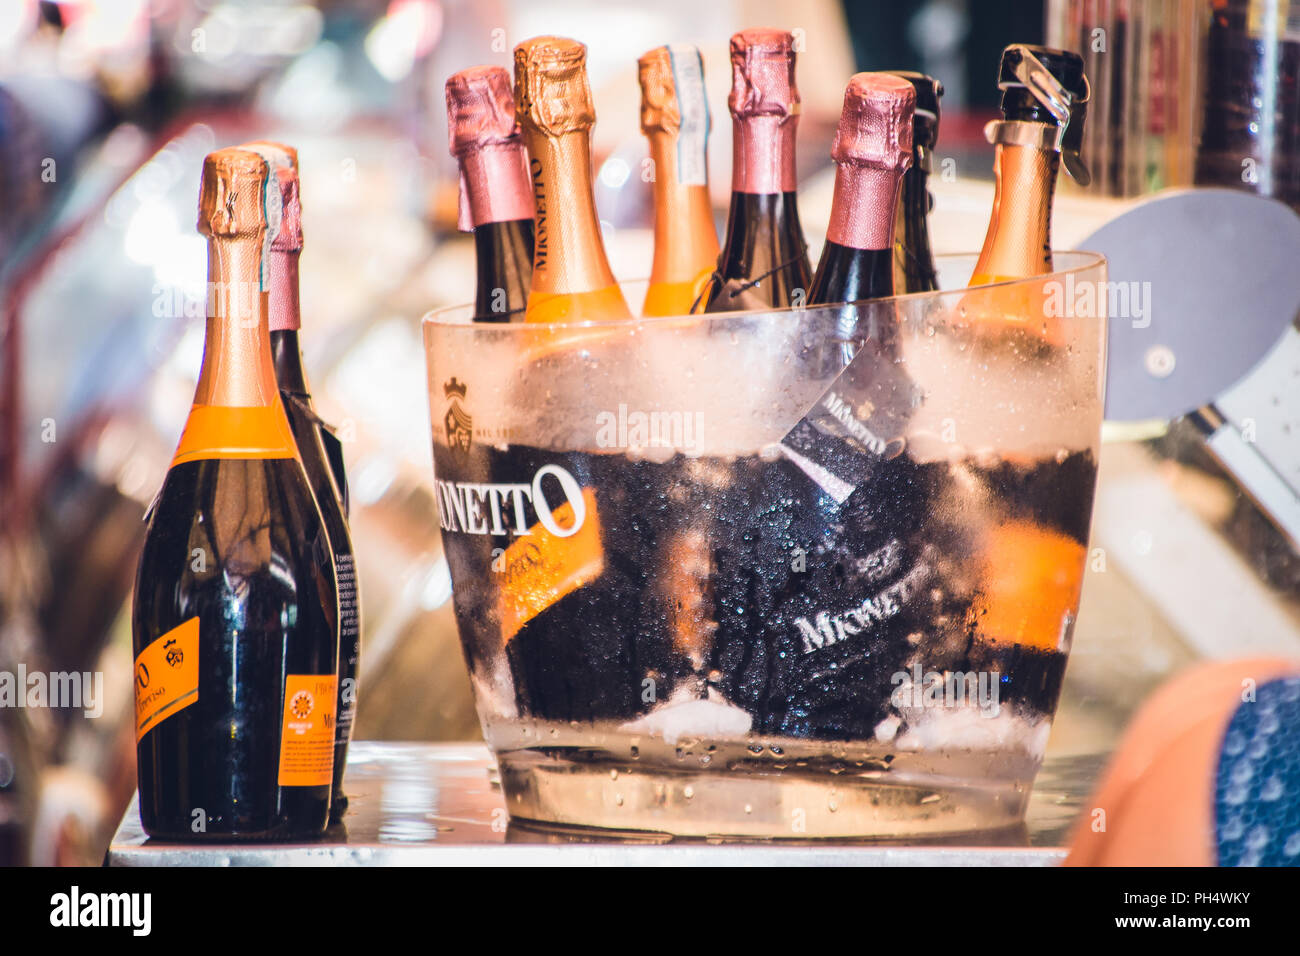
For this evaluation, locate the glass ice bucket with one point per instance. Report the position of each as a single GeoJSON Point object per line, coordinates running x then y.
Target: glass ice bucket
{"type": "Point", "coordinates": [788, 574]}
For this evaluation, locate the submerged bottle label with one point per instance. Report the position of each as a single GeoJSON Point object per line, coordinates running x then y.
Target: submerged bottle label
{"type": "Point", "coordinates": [541, 568]}
{"type": "Point", "coordinates": [307, 734]}
{"type": "Point", "coordinates": [166, 676]}
{"type": "Point", "coordinates": [858, 421]}
{"type": "Point", "coordinates": [222, 431]}
{"type": "Point", "coordinates": [1031, 578]}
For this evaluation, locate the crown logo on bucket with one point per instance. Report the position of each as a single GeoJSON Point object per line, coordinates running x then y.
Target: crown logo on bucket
{"type": "Point", "coordinates": [457, 421]}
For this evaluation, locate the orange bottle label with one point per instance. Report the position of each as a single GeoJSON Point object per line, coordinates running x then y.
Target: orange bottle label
{"type": "Point", "coordinates": [224, 431]}
{"type": "Point", "coordinates": [1031, 579]}
{"type": "Point", "coordinates": [307, 731]}
{"type": "Point", "coordinates": [540, 567]}
{"type": "Point", "coordinates": [166, 676]}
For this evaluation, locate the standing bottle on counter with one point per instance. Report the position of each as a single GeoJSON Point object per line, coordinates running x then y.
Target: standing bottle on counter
{"type": "Point", "coordinates": [313, 437]}
{"type": "Point", "coordinates": [675, 120]}
{"type": "Point", "coordinates": [495, 200]}
{"type": "Point", "coordinates": [235, 618]}
{"type": "Point", "coordinates": [572, 280]}
{"type": "Point", "coordinates": [1044, 101]}
{"type": "Point", "coordinates": [913, 261]}
{"type": "Point", "coordinates": [764, 261]}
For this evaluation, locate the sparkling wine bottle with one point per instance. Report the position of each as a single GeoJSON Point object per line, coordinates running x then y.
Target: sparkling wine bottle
{"type": "Point", "coordinates": [235, 615]}
{"type": "Point", "coordinates": [913, 261]}
{"type": "Point", "coordinates": [872, 151]}
{"type": "Point", "coordinates": [494, 191]}
{"type": "Point", "coordinates": [1044, 98]}
{"type": "Point", "coordinates": [572, 280]}
{"type": "Point", "coordinates": [764, 260]}
{"type": "Point", "coordinates": [314, 440]}
{"type": "Point", "coordinates": [859, 423]}
{"type": "Point", "coordinates": [1031, 561]}
{"type": "Point", "coordinates": [675, 120]}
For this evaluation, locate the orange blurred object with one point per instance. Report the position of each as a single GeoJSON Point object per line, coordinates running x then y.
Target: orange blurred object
{"type": "Point", "coordinates": [1155, 805]}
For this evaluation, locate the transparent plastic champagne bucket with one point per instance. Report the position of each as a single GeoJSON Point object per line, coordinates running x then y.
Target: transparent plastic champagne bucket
{"type": "Point", "coordinates": [790, 574]}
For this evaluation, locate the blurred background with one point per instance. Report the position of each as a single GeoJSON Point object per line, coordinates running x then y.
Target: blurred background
{"type": "Point", "coordinates": [107, 108]}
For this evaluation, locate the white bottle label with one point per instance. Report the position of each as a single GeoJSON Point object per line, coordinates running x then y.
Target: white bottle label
{"type": "Point", "coordinates": [693, 137]}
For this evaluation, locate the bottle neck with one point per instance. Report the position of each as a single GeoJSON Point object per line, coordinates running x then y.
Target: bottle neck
{"type": "Point", "coordinates": [849, 274]}
{"type": "Point", "coordinates": [857, 261]}
{"type": "Point", "coordinates": [285, 321]}
{"type": "Point", "coordinates": [286, 356]}
{"type": "Point", "coordinates": [494, 185]}
{"type": "Point", "coordinates": [568, 254]}
{"type": "Point", "coordinates": [285, 313]}
{"type": "Point", "coordinates": [1019, 243]}
{"type": "Point", "coordinates": [862, 206]}
{"type": "Point", "coordinates": [764, 260]}
{"type": "Point", "coordinates": [914, 262]}
{"type": "Point", "coordinates": [503, 254]}
{"type": "Point", "coordinates": [686, 242]}
{"type": "Point", "coordinates": [237, 369]}
{"type": "Point", "coordinates": [762, 154]}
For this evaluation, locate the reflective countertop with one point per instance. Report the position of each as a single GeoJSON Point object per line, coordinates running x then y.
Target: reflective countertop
{"type": "Point", "coordinates": [417, 804]}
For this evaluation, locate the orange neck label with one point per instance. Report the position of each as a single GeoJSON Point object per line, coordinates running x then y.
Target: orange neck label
{"type": "Point", "coordinates": [307, 731]}
{"type": "Point", "coordinates": [227, 431]}
{"type": "Point", "coordinates": [166, 676]}
{"type": "Point", "coordinates": [600, 305]}
{"type": "Point", "coordinates": [540, 568]}
{"type": "Point", "coordinates": [674, 298]}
